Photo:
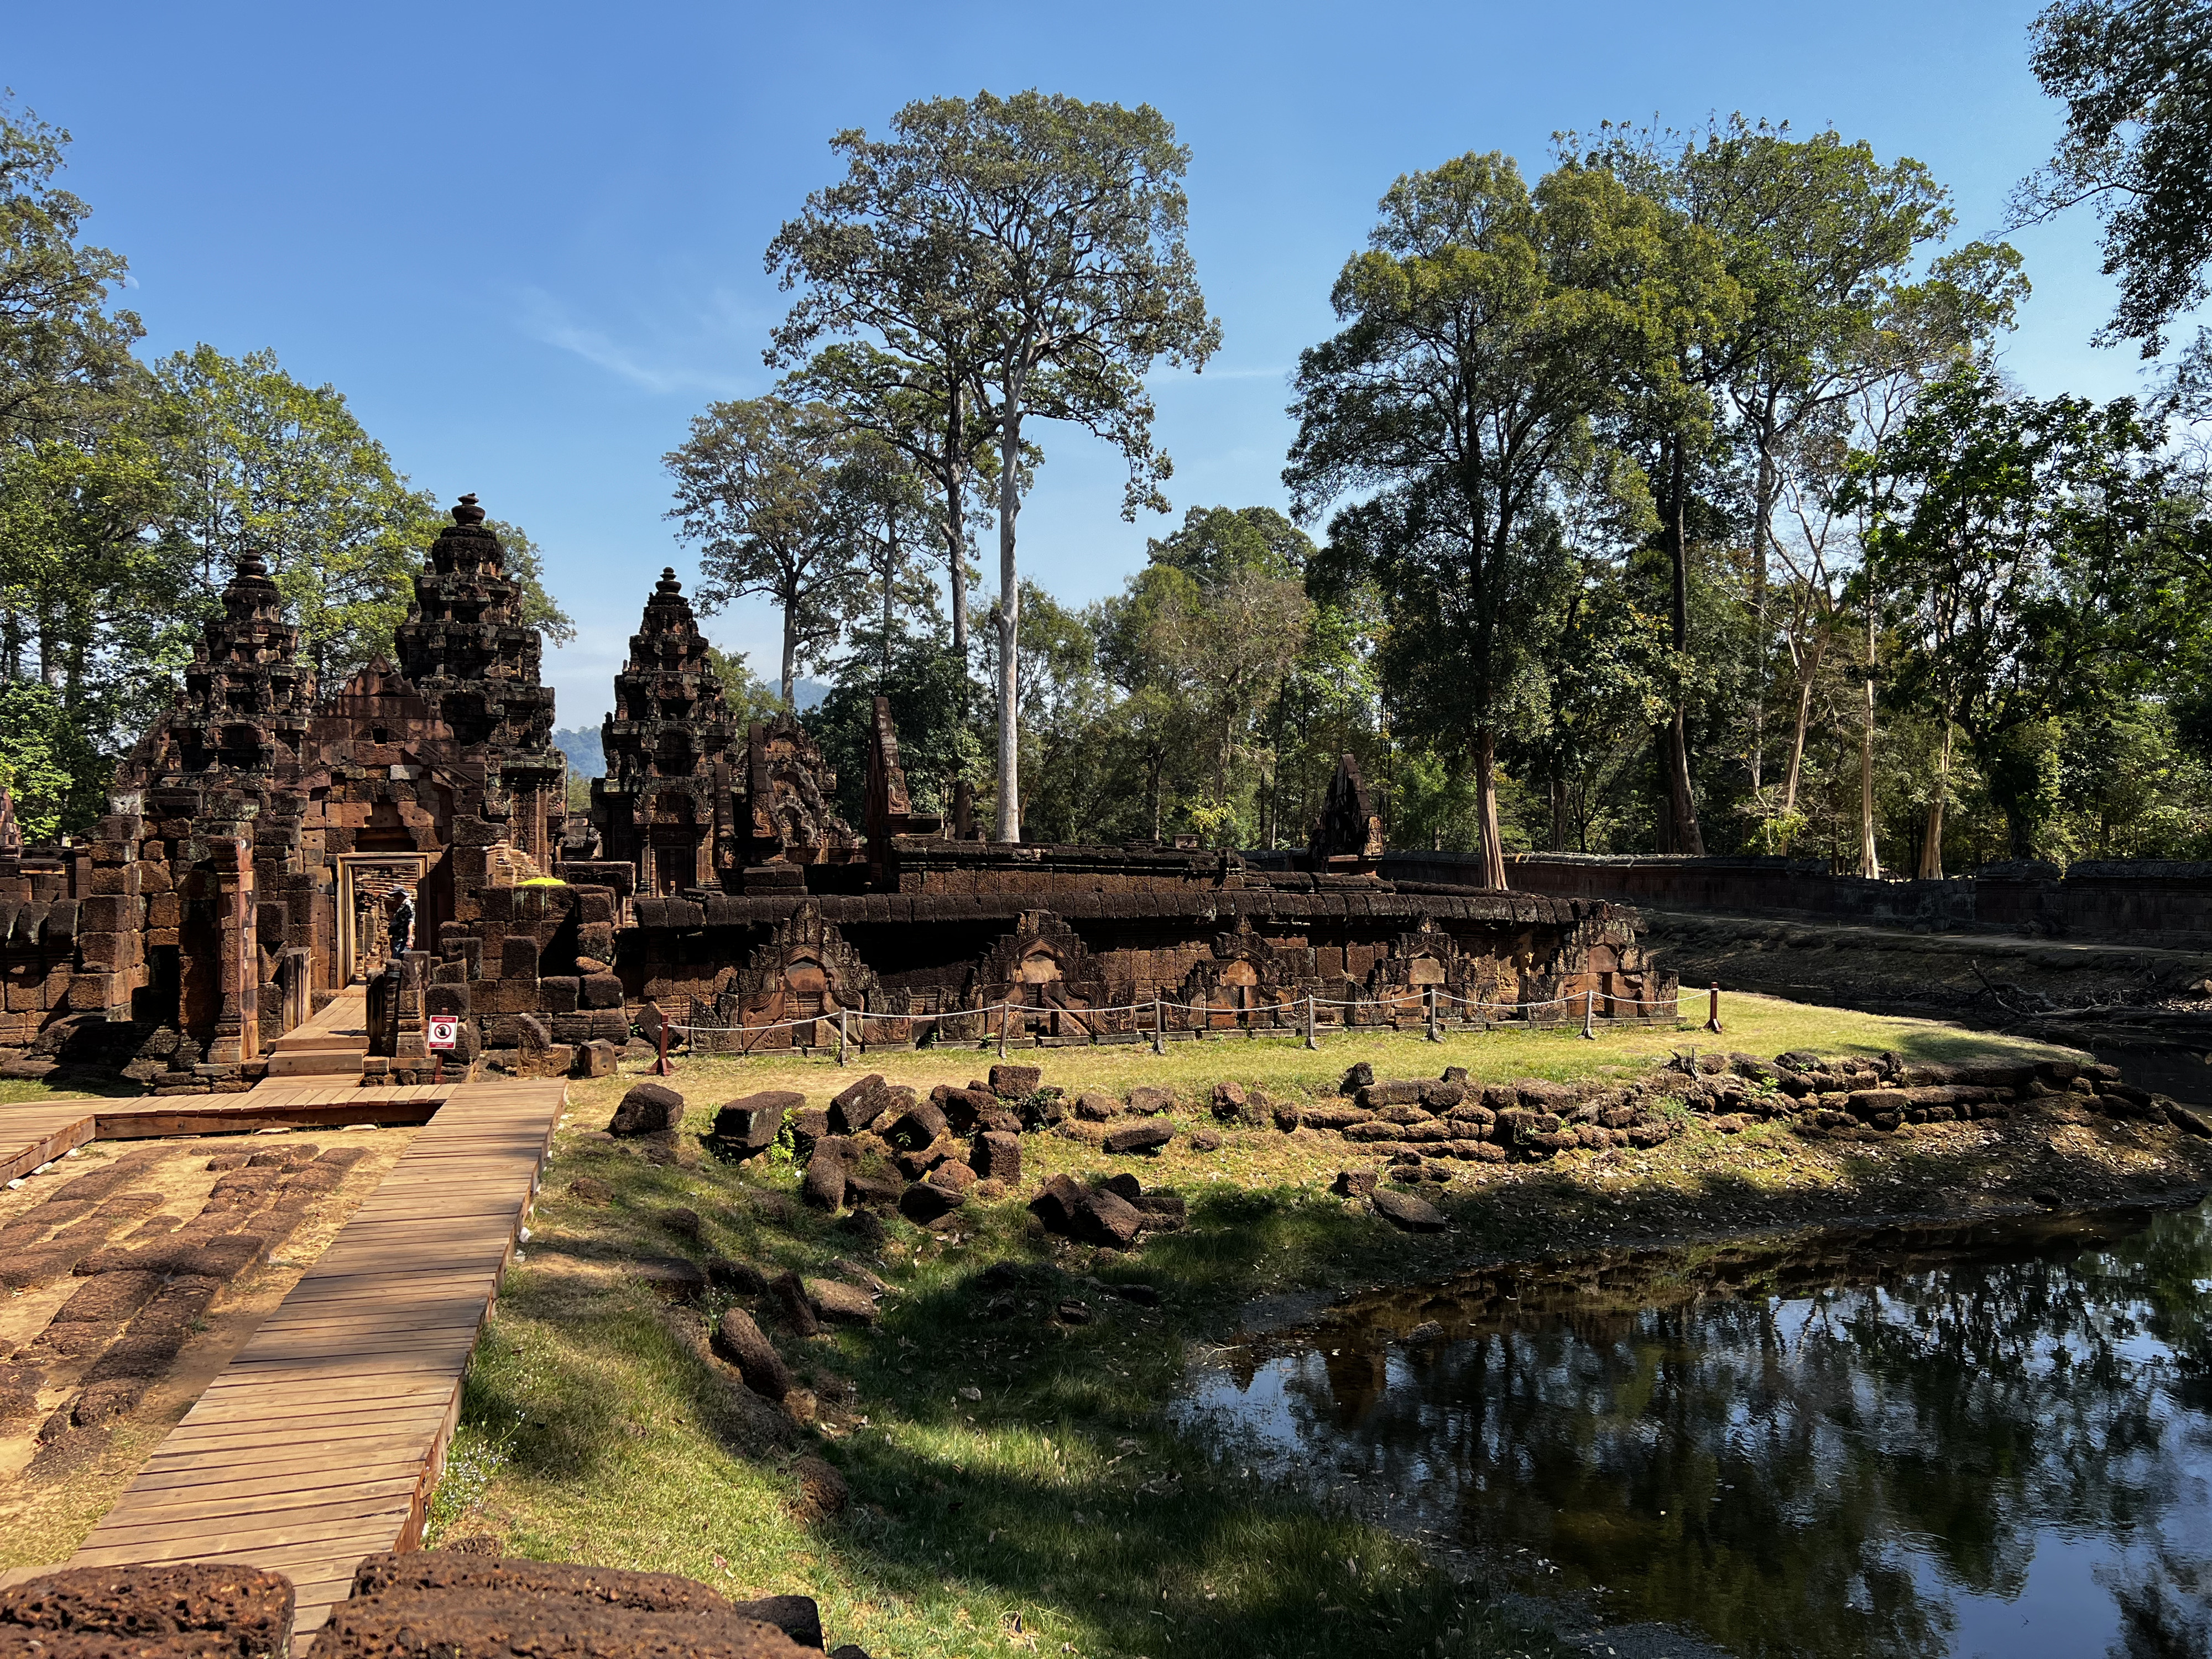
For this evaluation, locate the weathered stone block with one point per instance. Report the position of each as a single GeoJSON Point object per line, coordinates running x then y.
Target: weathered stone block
{"type": "Point", "coordinates": [600, 991]}
{"type": "Point", "coordinates": [647, 1109]}
{"type": "Point", "coordinates": [1013, 1082]}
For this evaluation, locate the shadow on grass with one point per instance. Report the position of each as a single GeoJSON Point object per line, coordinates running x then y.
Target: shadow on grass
{"type": "Point", "coordinates": [1009, 1462]}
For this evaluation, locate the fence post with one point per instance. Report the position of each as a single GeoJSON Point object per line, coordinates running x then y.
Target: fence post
{"type": "Point", "coordinates": [660, 1066]}
{"type": "Point", "coordinates": [1713, 1012]}
{"type": "Point", "coordinates": [1159, 1036]}
{"type": "Point", "coordinates": [1429, 992]}
{"type": "Point", "coordinates": [1003, 1008]}
{"type": "Point", "coordinates": [1589, 1003]}
{"type": "Point", "coordinates": [1311, 1044]}
{"type": "Point", "coordinates": [842, 1036]}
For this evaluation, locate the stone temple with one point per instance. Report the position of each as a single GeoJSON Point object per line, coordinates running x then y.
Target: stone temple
{"type": "Point", "coordinates": [259, 836]}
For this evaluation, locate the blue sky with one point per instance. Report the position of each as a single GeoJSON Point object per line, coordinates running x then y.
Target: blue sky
{"type": "Point", "coordinates": [525, 241]}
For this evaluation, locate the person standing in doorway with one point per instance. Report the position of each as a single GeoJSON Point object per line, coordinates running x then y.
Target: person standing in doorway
{"type": "Point", "coordinates": [403, 924]}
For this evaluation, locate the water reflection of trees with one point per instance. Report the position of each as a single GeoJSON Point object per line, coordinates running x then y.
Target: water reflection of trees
{"type": "Point", "coordinates": [1801, 1472]}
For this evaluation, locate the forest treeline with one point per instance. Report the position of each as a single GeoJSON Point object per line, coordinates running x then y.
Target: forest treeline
{"type": "Point", "coordinates": [1671, 496]}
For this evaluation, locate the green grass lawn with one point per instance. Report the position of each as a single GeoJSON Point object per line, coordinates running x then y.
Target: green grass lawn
{"type": "Point", "coordinates": [1015, 1488]}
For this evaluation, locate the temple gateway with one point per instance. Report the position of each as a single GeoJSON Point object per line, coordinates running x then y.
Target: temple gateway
{"type": "Point", "coordinates": [243, 888]}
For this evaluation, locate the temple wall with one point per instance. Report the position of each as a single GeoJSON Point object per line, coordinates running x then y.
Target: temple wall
{"type": "Point", "coordinates": [2139, 902]}
{"type": "Point", "coordinates": [914, 964]}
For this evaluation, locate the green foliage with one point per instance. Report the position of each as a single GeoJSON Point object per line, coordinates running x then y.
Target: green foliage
{"type": "Point", "coordinates": [268, 466]}
{"type": "Point", "coordinates": [755, 487]}
{"type": "Point", "coordinates": [927, 686]}
{"type": "Point", "coordinates": [748, 696]}
{"type": "Point", "coordinates": [1487, 331]}
{"type": "Point", "coordinates": [2137, 79]}
{"type": "Point", "coordinates": [1031, 250]}
{"type": "Point", "coordinates": [35, 740]}
{"type": "Point", "coordinates": [63, 353]}
{"type": "Point", "coordinates": [1217, 542]}
{"type": "Point", "coordinates": [2025, 552]}
{"type": "Point", "coordinates": [525, 567]}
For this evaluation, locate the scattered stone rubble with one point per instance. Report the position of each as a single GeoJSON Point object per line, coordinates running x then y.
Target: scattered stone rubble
{"type": "Point", "coordinates": [1843, 1097]}
{"type": "Point", "coordinates": [879, 1147]}
{"type": "Point", "coordinates": [456, 1604]}
{"type": "Point", "coordinates": [183, 1610]}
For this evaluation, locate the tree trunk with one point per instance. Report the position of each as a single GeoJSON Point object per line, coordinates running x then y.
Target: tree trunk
{"type": "Point", "coordinates": [956, 524]}
{"type": "Point", "coordinates": [1810, 672]}
{"type": "Point", "coordinates": [890, 587]}
{"type": "Point", "coordinates": [1931, 842]}
{"type": "Point", "coordinates": [1869, 852]}
{"type": "Point", "coordinates": [1558, 792]}
{"type": "Point", "coordinates": [1763, 532]}
{"type": "Point", "coordinates": [49, 651]}
{"type": "Point", "coordinates": [1486, 791]}
{"type": "Point", "coordinates": [1009, 614]}
{"type": "Point", "coordinates": [790, 648]}
{"type": "Point", "coordinates": [1682, 807]}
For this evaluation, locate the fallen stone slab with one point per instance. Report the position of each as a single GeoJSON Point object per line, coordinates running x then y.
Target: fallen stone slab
{"type": "Point", "coordinates": [739, 1340]}
{"type": "Point", "coordinates": [748, 1125]}
{"type": "Point", "coordinates": [836, 1303]}
{"type": "Point", "coordinates": [823, 1186]}
{"type": "Point", "coordinates": [923, 1204]}
{"type": "Point", "coordinates": [918, 1127]}
{"type": "Point", "coordinates": [1108, 1219]}
{"type": "Point", "coordinates": [1414, 1215]}
{"type": "Point", "coordinates": [1138, 1138]}
{"type": "Point", "coordinates": [671, 1276]}
{"type": "Point", "coordinates": [250, 1609]}
{"type": "Point", "coordinates": [997, 1156]}
{"type": "Point", "coordinates": [649, 1109]}
{"type": "Point", "coordinates": [857, 1108]}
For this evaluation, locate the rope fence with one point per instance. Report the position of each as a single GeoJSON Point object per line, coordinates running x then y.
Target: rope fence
{"type": "Point", "coordinates": [1197, 1020]}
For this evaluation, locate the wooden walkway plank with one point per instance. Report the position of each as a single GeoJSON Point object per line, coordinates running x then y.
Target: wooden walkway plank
{"type": "Point", "coordinates": [36, 1135]}
{"type": "Point", "coordinates": [323, 1438]}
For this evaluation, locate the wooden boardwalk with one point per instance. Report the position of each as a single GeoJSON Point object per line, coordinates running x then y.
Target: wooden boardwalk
{"type": "Point", "coordinates": [322, 1439]}
{"type": "Point", "coordinates": [331, 1042]}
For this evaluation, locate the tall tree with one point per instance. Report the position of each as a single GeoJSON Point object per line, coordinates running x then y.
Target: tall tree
{"type": "Point", "coordinates": [1484, 327]}
{"type": "Point", "coordinates": [61, 348]}
{"type": "Point", "coordinates": [2137, 79]}
{"type": "Point", "coordinates": [755, 488]}
{"type": "Point", "coordinates": [268, 465]}
{"type": "Point", "coordinates": [917, 400]}
{"type": "Point", "coordinates": [1818, 237]}
{"type": "Point", "coordinates": [883, 508]}
{"type": "Point", "coordinates": [1215, 542]}
{"type": "Point", "coordinates": [1036, 241]}
{"type": "Point", "coordinates": [2027, 555]}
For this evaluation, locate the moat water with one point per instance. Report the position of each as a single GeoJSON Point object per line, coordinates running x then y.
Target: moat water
{"type": "Point", "coordinates": [1994, 1442]}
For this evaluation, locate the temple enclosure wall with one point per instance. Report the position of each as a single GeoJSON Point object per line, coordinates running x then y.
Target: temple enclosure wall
{"type": "Point", "coordinates": [2139, 902]}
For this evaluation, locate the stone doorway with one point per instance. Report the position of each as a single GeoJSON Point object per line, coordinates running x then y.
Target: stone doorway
{"type": "Point", "coordinates": [368, 876]}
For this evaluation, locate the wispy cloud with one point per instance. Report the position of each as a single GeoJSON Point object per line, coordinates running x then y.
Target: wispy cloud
{"type": "Point", "coordinates": [544, 318]}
